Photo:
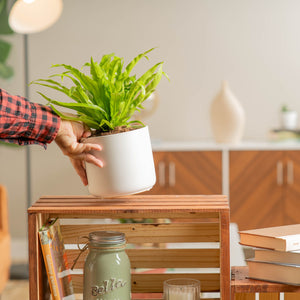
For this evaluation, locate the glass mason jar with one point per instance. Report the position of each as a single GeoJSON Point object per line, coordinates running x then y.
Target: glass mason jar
{"type": "Point", "coordinates": [107, 267]}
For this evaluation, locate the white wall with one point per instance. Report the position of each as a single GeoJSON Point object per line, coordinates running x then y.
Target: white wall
{"type": "Point", "coordinates": [254, 44]}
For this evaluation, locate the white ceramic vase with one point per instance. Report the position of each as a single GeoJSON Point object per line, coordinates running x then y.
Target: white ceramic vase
{"type": "Point", "coordinates": [128, 164]}
{"type": "Point", "coordinates": [227, 117]}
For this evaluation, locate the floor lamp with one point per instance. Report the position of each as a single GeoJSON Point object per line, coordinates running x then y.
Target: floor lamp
{"type": "Point", "coordinates": [27, 17]}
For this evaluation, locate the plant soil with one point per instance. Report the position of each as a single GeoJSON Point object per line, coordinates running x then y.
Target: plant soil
{"type": "Point", "coordinates": [118, 129]}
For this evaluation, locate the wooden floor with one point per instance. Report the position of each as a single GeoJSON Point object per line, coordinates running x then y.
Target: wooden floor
{"type": "Point", "coordinates": [16, 290]}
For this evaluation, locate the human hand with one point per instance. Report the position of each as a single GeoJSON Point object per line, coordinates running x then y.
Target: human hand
{"type": "Point", "coordinates": [67, 139]}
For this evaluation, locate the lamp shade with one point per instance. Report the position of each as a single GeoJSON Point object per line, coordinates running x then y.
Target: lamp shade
{"type": "Point", "coordinates": [30, 16]}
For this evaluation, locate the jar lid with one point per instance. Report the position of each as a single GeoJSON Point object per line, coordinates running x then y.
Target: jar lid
{"type": "Point", "coordinates": [107, 237]}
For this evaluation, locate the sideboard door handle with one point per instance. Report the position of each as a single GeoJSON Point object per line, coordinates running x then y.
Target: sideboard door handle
{"type": "Point", "coordinates": [279, 173]}
{"type": "Point", "coordinates": [161, 173]}
{"type": "Point", "coordinates": [172, 174]}
{"type": "Point", "coordinates": [290, 172]}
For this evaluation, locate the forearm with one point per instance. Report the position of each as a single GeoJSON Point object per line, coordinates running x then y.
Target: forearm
{"type": "Point", "coordinates": [23, 122]}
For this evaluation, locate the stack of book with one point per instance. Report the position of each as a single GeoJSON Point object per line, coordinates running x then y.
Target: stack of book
{"type": "Point", "coordinates": [284, 135]}
{"type": "Point", "coordinates": [276, 253]}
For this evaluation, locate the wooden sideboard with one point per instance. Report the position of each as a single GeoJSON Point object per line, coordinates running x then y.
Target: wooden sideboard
{"type": "Point", "coordinates": [188, 173]}
{"type": "Point", "coordinates": [264, 188]}
{"type": "Point", "coordinates": [262, 180]}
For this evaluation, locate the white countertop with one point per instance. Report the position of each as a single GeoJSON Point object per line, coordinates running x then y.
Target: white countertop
{"type": "Point", "coordinates": [212, 146]}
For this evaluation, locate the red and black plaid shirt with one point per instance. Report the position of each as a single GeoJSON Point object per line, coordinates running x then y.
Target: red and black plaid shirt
{"type": "Point", "coordinates": [23, 122]}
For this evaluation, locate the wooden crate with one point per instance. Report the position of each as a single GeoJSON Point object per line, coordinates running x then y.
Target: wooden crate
{"type": "Point", "coordinates": [243, 288]}
{"type": "Point", "coordinates": [191, 219]}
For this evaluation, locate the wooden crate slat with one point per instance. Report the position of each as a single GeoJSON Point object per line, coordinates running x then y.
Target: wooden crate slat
{"type": "Point", "coordinates": [136, 198]}
{"type": "Point", "coordinates": [153, 283]}
{"type": "Point", "coordinates": [199, 216]}
{"type": "Point", "coordinates": [162, 258]}
{"type": "Point", "coordinates": [160, 200]}
{"type": "Point", "coordinates": [125, 202]}
{"type": "Point", "coordinates": [157, 296]}
{"type": "Point", "coordinates": [150, 233]}
{"type": "Point", "coordinates": [95, 209]}
{"type": "Point", "coordinates": [141, 203]}
{"type": "Point", "coordinates": [174, 258]}
{"type": "Point", "coordinates": [147, 298]}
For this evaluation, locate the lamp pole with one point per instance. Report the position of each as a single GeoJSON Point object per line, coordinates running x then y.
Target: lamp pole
{"type": "Point", "coordinates": [28, 154]}
{"type": "Point", "coordinates": [21, 271]}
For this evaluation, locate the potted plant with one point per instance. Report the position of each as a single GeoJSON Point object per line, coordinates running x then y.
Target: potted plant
{"type": "Point", "coordinates": [289, 118]}
{"type": "Point", "coordinates": [105, 101]}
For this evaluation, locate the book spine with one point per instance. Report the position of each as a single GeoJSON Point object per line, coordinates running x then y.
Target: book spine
{"type": "Point", "coordinates": [50, 268]}
{"type": "Point", "coordinates": [62, 270]}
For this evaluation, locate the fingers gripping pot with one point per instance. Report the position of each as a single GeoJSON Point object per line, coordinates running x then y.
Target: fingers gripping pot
{"type": "Point", "coordinates": [107, 267]}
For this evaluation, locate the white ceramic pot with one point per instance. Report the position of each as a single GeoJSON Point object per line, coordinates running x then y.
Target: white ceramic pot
{"type": "Point", "coordinates": [289, 120]}
{"type": "Point", "coordinates": [128, 164]}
